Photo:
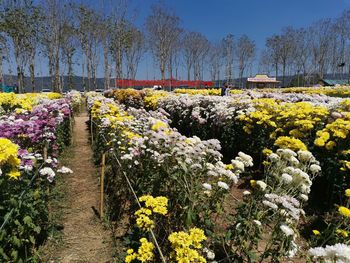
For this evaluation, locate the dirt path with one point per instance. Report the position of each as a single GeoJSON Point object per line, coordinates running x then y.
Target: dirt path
{"type": "Point", "coordinates": [84, 238]}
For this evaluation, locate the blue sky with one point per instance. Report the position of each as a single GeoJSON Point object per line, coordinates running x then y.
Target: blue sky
{"type": "Point", "coordinates": [216, 18]}
{"type": "Point", "coordinates": [256, 18]}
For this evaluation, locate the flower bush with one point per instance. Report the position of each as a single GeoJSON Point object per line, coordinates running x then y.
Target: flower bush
{"type": "Point", "coordinates": [33, 131]}
{"type": "Point", "coordinates": [285, 132]}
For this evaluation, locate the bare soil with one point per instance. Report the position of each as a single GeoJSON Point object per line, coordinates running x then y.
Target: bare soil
{"type": "Point", "coordinates": [84, 237]}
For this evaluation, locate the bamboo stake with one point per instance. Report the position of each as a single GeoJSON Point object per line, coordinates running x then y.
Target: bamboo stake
{"type": "Point", "coordinates": [45, 152]}
{"type": "Point", "coordinates": [102, 184]}
{"type": "Point", "coordinates": [92, 132]}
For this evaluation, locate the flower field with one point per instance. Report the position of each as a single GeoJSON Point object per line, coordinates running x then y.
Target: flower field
{"type": "Point", "coordinates": [34, 129]}
{"type": "Point", "coordinates": [257, 176]}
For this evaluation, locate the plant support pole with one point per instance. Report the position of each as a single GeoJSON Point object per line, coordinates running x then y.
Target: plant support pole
{"type": "Point", "coordinates": [102, 184]}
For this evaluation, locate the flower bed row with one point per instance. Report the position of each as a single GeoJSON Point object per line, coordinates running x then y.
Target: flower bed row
{"type": "Point", "coordinates": [185, 192]}
{"type": "Point", "coordinates": [33, 133]}
{"type": "Point", "coordinates": [261, 121]}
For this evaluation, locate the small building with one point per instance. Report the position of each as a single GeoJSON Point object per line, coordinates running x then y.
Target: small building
{"type": "Point", "coordinates": [261, 81]}
{"type": "Point", "coordinates": [333, 82]}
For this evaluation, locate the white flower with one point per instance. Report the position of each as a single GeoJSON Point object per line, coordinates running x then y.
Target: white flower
{"type": "Point", "coordinates": [273, 157]}
{"type": "Point", "coordinates": [246, 159]}
{"type": "Point", "coordinates": [0, 172]}
{"type": "Point", "coordinates": [27, 168]}
{"type": "Point", "coordinates": [223, 185]}
{"type": "Point", "coordinates": [314, 168]}
{"type": "Point", "coordinates": [317, 252]}
{"type": "Point", "coordinates": [261, 184]}
{"type": "Point", "coordinates": [270, 204]}
{"type": "Point", "coordinates": [207, 186]}
{"type": "Point", "coordinates": [287, 230]}
{"type": "Point", "coordinates": [304, 156]}
{"type": "Point", "coordinates": [238, 165]}
{"type": "Point", "coordinates": [294, 161]}
{"type": "Point", "coordinates": [257, 222]}
{"type": "Point", "coordinates": [49, 173]}
{"type": "Point", "coordinates": [210, 254]}
{"type": "Point", "coordinates": [246, 193]}
{"type": "Point", "coordinates": [286, 178]}
{"type": "Point", "coordinates": [64, 170]}
{"type": "Point", "coordinates": [286, 153]}
{"type": "Point", "coordinates": [304, 197]}
{"type": "Point", "coordinates": [232, 177]}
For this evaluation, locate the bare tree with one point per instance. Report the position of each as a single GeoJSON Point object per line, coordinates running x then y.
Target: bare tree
{"type": "Point", "coordinates": [105, 37]}
{"type": "Point", "coordinates": [215, 60]}
{"type": "Point", "coordinates": [342, 31]}
{"type": "Point", "coordinates": [68, 48]}
{"type": "Point", "coordinates": [228, 49]}
{"type": "Point", "coordinates": [51, 38]}
{"type": "Point", "coordinates": [135, 48]}
{"type": "Point", "coordinates": [15, 22]}
{"type": "Point", "coordinates": [322, 35]}
{"type": "Point", "coordinates": [286, 50]}
{"type": "Point", "coordinates": [118, 45]}
{"type": "Point", "coordinates": [163, 29]}
{"type": "Point", "coordinates": [273, 48]}
{"type": "Point", "coordinates": [245, 54]}
{"type": "Point", "coordinates": [265, 62]}
{"type": "Point", "coordinates": [89, 24]}
{"type": "Point", "coordinates": [3, 51]}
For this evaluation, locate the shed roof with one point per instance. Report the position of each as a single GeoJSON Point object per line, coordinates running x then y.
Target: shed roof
{"type": "Point", "coordinates": [262, 78]}
{"type": "Point", "coordinates": [332, 82]}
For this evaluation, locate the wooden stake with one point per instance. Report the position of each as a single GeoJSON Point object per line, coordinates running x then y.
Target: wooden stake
{"type": "Point", "coordinates": [102, 184]}
{"type": "Point", "coordinates": [45, 152]}
{"type": "Point", "coordinates": [92, 132]}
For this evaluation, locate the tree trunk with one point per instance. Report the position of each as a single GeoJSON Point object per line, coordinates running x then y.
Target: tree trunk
{"type": "Point", "coordinates": [32, 75]}
{"type": "Point", "coordinates": [70, 72]}
{"type": "Point", "coordinates": [2, 81]}
{"type": "Point", "coordinates": [283, 73]}
{"type": "Point", "coordinates": [83, 72]}
{"type": "Point", "coordinates": [57, 86]}
{"type": "Point", "coordinates": [106, 65]}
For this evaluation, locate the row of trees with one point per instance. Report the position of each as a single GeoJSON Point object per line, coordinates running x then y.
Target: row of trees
{"type": "Point", "coordinates": [309, 53]}
{"type": "Point", "coordinates": [67, 34]}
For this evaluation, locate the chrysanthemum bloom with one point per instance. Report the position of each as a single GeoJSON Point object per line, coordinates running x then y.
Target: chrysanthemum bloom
{"type": "Point", "coordinates": [347, 192]}
{"type": "Point", "coordinates": [316, 232]}
{"type": "Point", "coordinates": [344, 211]}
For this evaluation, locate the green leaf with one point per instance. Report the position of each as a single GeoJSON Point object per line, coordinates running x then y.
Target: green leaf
{"type": "Point", "coordinates": [32, 239]}
{"type": "Point", "coordinates": [27, 220]}
{"type": "Point", "coordinates": [37, 229]}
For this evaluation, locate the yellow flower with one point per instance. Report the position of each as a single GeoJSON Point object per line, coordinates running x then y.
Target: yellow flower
{"type": "Point", "coordinates": [330, 145]}
{"type": "Point", "coordinates": [197, 236]}
{"type": "Point", "coordinates": [144, 252]}
{"type": "Point", "coordinates": [347, 192]}
{"type": "Point", "coordinates": [290, 143]}
{"type": "Point", "coordinates": [344, 211]}
{"type": "Point", "coordinates": [229, 166]}
{"type": "Point", "coordinates": [316, 232]}
{"type": "Point", "coordinates": [319, 142]}
{"type": "Point", "coordinates": [342, 232]}
{"type": "Point", "coordinates": [14, 174]}
{"type": "Point", "coordinates": [159, 125]}
{"type": "Point", "coordinates": [267, 152]}
{"type": "Point", "coordinates": [185, 245]}
{"type": "Point", "coordinates": [253, 183]}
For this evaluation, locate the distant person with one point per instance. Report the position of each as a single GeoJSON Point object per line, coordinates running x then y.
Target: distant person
{"type": "Point", "coordinates": [228, 89]}
{"type": "Point", "coordinates": [224, 89]}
